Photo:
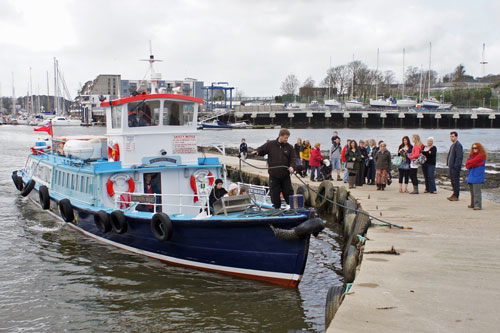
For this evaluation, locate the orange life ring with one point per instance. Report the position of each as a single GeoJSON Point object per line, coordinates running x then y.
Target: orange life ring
{"type": "Point", "coordinates": [200, 174]}
{"type": "Point", "coordinates": [114, 153]}
{"type": "Point", "coordinates": [112, 180]}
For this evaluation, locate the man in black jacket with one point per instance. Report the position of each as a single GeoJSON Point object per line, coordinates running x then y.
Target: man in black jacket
{"type": "Point", "coordinates": [454, 163]}
{"type": "Point", "coordinates": [282, 160]}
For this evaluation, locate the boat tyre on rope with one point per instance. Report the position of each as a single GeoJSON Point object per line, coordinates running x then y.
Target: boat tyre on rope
{"type": "Point", "coordinates": [304, 190]}
{"type": "Point", "coordinates": [334, 298]}
{"type": "Point", "coordinates": [325, 195]}
{"type": "Point", "coordinates": [119, 222]}
{"type": "Point", "coordinates": [43, 196]}
{"type": "Point", "coordinates": [28, 188]}
{"type": "Point", "coordinates": [350, 264]}
{"type": "Point", "coordinates": [101, 220]}
{"type": "Point", "coordinates": [17, 181]}
{"type": "Point", "coordinates": [161, 227]}
{"type": "Point", "coordinates": [349, 224]}
{"type": "Point", "coordinates": [351, 207]}
{"type": "Point", "coordinates": [66, 210]}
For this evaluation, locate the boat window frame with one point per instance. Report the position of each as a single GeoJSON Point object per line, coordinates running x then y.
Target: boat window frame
{"type": "Point", "coordinates": [181, 118]}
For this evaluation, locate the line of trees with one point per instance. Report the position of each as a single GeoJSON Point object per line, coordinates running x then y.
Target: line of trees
{"type": "Point", "coordinates": [358, 80]}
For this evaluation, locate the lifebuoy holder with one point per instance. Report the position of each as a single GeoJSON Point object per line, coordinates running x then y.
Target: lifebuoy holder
{"type": "Point", "coordinates": [113, 152]}
{"type": "Point", "coordinates": [124, 197]}
{"type": "Point", "coordinates": [200, 177]}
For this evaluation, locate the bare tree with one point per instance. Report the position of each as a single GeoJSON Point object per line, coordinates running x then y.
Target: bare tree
{"type": "Point", "coordinates": [307, 89]}
{"type": "Point", "coordinates": [459, 73]}
{"type": "Point", "coordinates": [290, 85]}
{"type": "Point", "coordinates": [343, 75]}
{"type": "Point", "coordinates": [412, 76]}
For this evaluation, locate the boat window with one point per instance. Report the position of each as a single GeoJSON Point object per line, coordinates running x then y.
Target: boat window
{"type": "Point", "coordinates": [82, 182]}
{"type": "Point", "coordinates": [116, 117]}
{"type": "Point", "coordinates": [77, 182]}
{"type": "Point", "coordinates": [175, 113]}
{"type": "Point", "coordinates": [143, 113]}
{"type": "Point", "coordinates": [72, 182]}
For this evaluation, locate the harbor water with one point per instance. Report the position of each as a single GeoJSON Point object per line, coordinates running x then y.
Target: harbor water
{"type": "Point", "coordinates": [54, 278]}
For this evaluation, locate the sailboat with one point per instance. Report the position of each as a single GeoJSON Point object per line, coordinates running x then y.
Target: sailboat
{"type": "Point", "coordinates": [431, 102]}
{"type": "Point", "coordinates": [406, 101]}
{"type": "Point", "coordinates": [354, 103]}
{"type": "Point", "coordinates": [380, 102]}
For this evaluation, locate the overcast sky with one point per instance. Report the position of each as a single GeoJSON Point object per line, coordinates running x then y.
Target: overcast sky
{"type": "Point", "coordinates": [253, 45]}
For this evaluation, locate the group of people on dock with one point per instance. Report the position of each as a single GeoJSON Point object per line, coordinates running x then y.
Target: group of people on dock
{"type": "Point", "coordinates": [368, 162]}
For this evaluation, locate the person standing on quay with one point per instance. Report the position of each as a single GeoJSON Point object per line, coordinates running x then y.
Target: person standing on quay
{"type": "Point", "coordinates": [315, 162]}
{"type": "Point", "coordinates": [243, 149]}
{"type": "Point", "coordinates": [417, 149]}
{"type": "Point", "coordinates": [342, 158]}
{"type": "Point", "coordinates": [282, 161]}
{"type": "Point", "coordinates": [404, 150]}
{"type": "Point", "coordinates": [353, 160]}
{"type": "Point", "coordinates": [335, 156]}
{"type": "Point", "coordinates": [383, 165]}
{"type": "Point", "coordinates": [305, 155]}
{"type": "Point", "coordinates": [298, 148]}
{"type": "Point", "coordinates": [454, 163]}
{"type": "Point", "coordinates": [476, 164]}
{"type": "Point", "coordinates": [429, 167]}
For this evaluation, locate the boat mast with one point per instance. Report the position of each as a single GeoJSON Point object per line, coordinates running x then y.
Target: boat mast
{"type": "Point", "coordinates": [13, 96]}
{"type": "Point", "coordinates": [404, 75]}
{"type": "Point", "coordinates": [429, 84]}
{"type": "Point", "coordinates": [48, 93]}
{"type": "Point", "coordinates": [352, 78]}
{"type": "Point", "coordinates": [420, 90]}
{"type": "Point", "coordinates": [376, 79]}
{"type": "Point", "coordinates": [55, 87]}
{"type": "Point", "coordinates": [155, 77]}
{"type": "Point", "coordinates": [31, 108]}
{"type": "Point", "coordinates": [329, 77]}
{"type": "Point", "coordinates": [483, 62]}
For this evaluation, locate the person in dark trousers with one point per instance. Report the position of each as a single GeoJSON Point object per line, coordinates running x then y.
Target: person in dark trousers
{"type": "Point", "coordinates": [282, 160]}
{"type": "Point", "coordinates": [243, 149]}
{"type": "Point", "coordinates": [454, 163]}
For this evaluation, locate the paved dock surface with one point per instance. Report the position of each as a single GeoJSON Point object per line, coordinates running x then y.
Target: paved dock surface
{"type": "Point", "coordinates": [447, 276]}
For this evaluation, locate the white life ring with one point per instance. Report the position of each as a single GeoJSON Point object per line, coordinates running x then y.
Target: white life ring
{"type": "Point", "coordinates": [199, 177]}
{"type": "Point", "coordinates": [125, 197]}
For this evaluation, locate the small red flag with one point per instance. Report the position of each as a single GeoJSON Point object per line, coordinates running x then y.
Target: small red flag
{"type": "Point", "coordinates": [45, 128]}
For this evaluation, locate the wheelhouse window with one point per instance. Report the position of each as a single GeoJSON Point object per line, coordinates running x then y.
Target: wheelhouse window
{"type": "Point", "coordinates": [176, 113]}
{"type": "Point", "coordinates": [116, 117]}
{"type": "Point", "coordinates": [143, 113]}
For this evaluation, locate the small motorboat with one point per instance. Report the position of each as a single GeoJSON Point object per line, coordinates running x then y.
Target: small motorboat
{"type": "Point", "coordinates": [216, 125]}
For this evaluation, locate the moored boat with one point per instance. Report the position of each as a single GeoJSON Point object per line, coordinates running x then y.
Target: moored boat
{"type": "Point", "coordinates": [354, 104]}
{"type": "Point", "coordinates": [143, 188]}
{"type": "Point", "coordinates": [63, 121]}
{"type": "Point", "coordinates": [217, 125]}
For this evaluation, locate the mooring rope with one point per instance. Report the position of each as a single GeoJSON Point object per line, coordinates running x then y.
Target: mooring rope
{"type": "Point", "coordinates": [319, 194]}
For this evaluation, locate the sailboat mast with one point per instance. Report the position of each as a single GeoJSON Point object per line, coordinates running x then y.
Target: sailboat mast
{"type": "Point", "coordinates": [31, 109]}
{"type": "Point", "coordinates": [55, 87]}
{"type": "Point", "coordinates": [48, 93]}
{"type": "Point", "coordinates": [404, 74]}
{"type": "Point", "coordinates": [429, 83]}
{"type": "Point", "coordinates": [352, 78]}
{"type": "Point", "coordinates": [376, 82]}
{"type": "Point", "coordinates": [420, 90]}
{"type": "Point", "coordinates": [13, 96]}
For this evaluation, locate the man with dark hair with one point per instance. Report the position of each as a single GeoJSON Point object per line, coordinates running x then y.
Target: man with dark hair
{"type": "Point", "coordinates": [282, 160]}
{"type": "Point", "coordinates": [454, 163]}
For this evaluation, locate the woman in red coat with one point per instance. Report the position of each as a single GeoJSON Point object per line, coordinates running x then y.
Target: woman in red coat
{"type": "Point", "coordinates": [315, 162]}
{"type": "Point", "coordinates": [476, 164]}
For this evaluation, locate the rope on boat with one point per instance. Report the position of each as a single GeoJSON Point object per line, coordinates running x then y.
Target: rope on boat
{"type": "Point", "coordinates": [385, 223]}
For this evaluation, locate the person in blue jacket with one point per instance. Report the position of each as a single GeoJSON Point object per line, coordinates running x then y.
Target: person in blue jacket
{"type": "Point", "coordinates": [476, 164]}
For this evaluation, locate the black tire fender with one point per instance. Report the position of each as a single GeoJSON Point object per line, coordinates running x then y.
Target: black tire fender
{"type": "Point", "coordinates": [28, 188]}
{"type": "Point", "coordinates": [101, 220]}
{"type": "Point", "coordinates": [17, 181]}
{"type": "Point", "coordinates": [304, 190]}
{"type": "Point", "coordinates": [326, 192]}
{"type": "Point", "coordinates": [350, 264]}
{"type": "Point", "coordinates": [119, 222]}
{"type": "Point", "coordinates": [66, 210]}
{"type": "Point", "coordinates": [44, 197]}
{"type": "Point", "coordinates": [334, 298]}
{"type": "Point", "coordinates": [313, 226]}
{"type": "Point", "coordinates": [161, 227]}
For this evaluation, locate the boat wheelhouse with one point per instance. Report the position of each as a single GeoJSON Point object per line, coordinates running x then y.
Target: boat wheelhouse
{"type": "Point", "coordinates": [143, 188]}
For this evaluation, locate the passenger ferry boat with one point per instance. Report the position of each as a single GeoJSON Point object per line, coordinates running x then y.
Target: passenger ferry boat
{"type": "Point", "coordinates": [143, 188]}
